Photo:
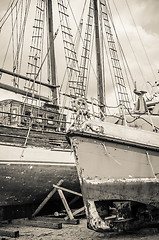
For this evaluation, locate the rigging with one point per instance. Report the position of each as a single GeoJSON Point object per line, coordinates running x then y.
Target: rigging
{"type": "Point", "coordinates": [140, 39]}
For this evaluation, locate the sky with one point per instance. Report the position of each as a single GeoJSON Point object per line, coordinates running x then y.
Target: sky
{"type": "Point", "coordinates": [145, 22]}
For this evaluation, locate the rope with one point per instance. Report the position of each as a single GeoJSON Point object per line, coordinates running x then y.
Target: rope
{"type": "Point", "coordinates": [155, 128]}
{"type": "Point", "coordinates": [12, 35]}
{"type": "Point", "coordinates": [8, 8]}
{"type": "Point", "coordinates": [109, 155]}
{"type": "Point", "coordinates": [22, 42]}
{"type": "Point", "coordinates": [140, 38]}
{"type": "Point", "coordinates": [8, 42]}
{"type": "Point", "coordinates": [76, 43]}
{"type": "Point", "coordinates": [39, 73]}
{"type": "Point", "coordinates": [111, 73]}
{"type": "Point", "coordinates": [149, 160]}
{"type": "Point", "coordinates": [42, 52]}
{"type": "Point", "coordinates": [26, 140]}
{"type": "Point", "coordinates": [124, 61]}
{"type": "Point", "coordinates": [12, 8]}
{"type": "Point", "coordinates": [75, 17]}
{"type": "Point", "coordinates": [117, 88]}
{"type": "Point", "coordinates": [130, 47]}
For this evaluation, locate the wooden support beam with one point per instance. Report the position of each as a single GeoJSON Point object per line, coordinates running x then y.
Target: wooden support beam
{"type": "Point", "coordinates": [76, 212]}
{"type": "Point", "coordinates": [46, 199]}
{"type": "Point", "coordinates": [74, 200]}
{"type": "Point", "coordinates": [26, 78]}
{"type": "Point", "coordinates": [9, 233]}
{"type": "Point", "coordinates": [68, 210]}
{"type": "Point", "coordinates": [68, 221]}
{"type": "Point", "coordinates": [38, 223]}
{"type": "Point", "coordinates": [23, 92]}
{"type": "Point", "coordinates": [67, 190]}
{"type": "Point", "coordinates": [60, 220]}
{"type": "Point", "coordinates": [43, 224]}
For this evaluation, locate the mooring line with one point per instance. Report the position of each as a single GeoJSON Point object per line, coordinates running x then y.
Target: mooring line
{"type": "Point", "coordinates": [149, 160]}
{"type": "Point", "coordinates": [110, 154]}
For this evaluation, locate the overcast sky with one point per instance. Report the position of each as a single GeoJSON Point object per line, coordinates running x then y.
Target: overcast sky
{"type": "Point", "coordinates": [146, 17]}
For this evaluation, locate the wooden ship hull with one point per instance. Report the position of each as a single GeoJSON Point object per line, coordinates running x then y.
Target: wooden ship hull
{"type": "Point", "coordinates": [32, 160]}
{"type": "Point", "coordinates": [118, 169]}
{"type": "Point", "coordinates": [26, 173]}
{"type": "Point", "coordinates": [27, 182]}
{"type": "Point", "coordinates": [34, 153]}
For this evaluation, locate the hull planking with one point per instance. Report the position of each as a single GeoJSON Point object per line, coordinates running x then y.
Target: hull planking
{"type": "Point", "coordinates": [119, 164]}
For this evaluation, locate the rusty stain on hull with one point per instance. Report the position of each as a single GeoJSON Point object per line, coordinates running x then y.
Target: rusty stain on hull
{"type": "Point", "coordinates": [141, 190]}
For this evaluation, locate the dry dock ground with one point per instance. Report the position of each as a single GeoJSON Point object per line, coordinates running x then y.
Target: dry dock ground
{"type": "Point", "coordinates": [77, 232]}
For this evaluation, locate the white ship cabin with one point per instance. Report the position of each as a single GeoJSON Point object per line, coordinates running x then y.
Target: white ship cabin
{"type": "Point", "coordinates": [17, 114]}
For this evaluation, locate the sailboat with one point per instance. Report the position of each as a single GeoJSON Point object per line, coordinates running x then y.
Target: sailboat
{"type": "Point", "coordinates": [34, 152]}
{"type": "Point", "coordinates": [117, 155]}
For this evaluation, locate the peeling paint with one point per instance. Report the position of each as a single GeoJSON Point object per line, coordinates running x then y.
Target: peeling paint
{"type": "Point", "coordinates": [94, 220]}
{"type": "Point", "coordinates": [126, 180]}
{"type": "Point", "coordinates": [119, 171]}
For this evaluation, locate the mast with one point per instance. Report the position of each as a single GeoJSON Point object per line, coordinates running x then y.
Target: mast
{"type": "Point", "coordinates": [52, 50]}
{"type": "Point", "coordinates": [100, 77]}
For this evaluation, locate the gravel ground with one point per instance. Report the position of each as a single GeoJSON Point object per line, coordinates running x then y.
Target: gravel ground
{"type": "Point", "coordinates": [78, 232]}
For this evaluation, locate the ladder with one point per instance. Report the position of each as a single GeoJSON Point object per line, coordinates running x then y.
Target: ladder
{"type": "Point", "coordinates": [117, 70]}
{"type": "Point", "coordinates": [86, 50]}
{"type": "Point", "coordinates": [76, 88]}
{"type": "Point", "coordinates": [35, 55]}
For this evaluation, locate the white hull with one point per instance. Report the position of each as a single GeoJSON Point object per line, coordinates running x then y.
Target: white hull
{"type": "Point", "coordinates": [34, 155]}
{"type": "Point", "coordinates": [115, 164]}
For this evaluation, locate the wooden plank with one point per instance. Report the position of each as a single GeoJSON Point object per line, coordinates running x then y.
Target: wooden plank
{"type": "Point", "coordinates": [67, 190]}
{"type": "Point", "coordinates": [36, 138]}
{"type": "Point", "coordinates": [68, 210]}
{"type": "Point", "coordinates": [68, 221]}
{"type": "Point", "coordinates": [39, 224]}
{"type": "Point", "coordinates": [74, 200]}
{"type": "Point", "coordinates": [23, 92]}
{"type": "Point", "coordinates": [26, 78]}
{"type": "Point", "coordinates": [76, 212]}
{"type": "Point", "coordinates": [60, 220]}
{"type": "Point", "coordinates": [37, 134]}
{"type": "Point", "coordinates": [9, 233]}
{"type": "Point", "coordinates": [34, 133]}
{"type": "Point", "coordinates": [46, 199]}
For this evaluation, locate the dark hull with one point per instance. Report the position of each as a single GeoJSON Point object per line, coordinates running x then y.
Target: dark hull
{"type": "Point", "coordinates": [28, 172]}
{"type": "Point", "coordinates": [20, 194]}
{"type": "Point", "coordinates": [20, 184]}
